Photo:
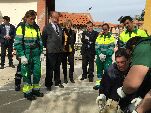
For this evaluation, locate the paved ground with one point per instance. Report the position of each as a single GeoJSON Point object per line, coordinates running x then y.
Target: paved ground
{"type": "Point", "coordinates": [74, 98]}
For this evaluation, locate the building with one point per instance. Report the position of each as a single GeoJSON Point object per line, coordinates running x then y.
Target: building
{"type": "Point", "coordinates": [16, 9]}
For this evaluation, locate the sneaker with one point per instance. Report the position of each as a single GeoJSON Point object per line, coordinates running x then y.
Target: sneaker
{"type": "Point", "coordinates": [29, 96]}
{"type": "Point", "coordinates": [37, 93]}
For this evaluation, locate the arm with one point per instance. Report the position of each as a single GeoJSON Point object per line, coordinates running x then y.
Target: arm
{"type": "Point", "coordinates": [13, 32]}
{"type": "Point", "coordinates": [44, 37]}
{"type": "Point", "coordinates": [105, 85]}
{"type": "Point", "coordinates": [18, 44]}
{"type": "Point", "coordinates": [134, 78]}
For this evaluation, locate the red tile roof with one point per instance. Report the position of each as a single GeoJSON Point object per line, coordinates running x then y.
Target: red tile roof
{"type": "Point", "coordinates": [76, 18]}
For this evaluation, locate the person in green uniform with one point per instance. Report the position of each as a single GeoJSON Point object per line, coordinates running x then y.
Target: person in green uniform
{"type": "Point", "coordinates": [29, 48]}
{"type": "Point", "coordinates": [138, 79]}
{"type": "Point", "coordinates": [104, 47]}
{"type": "Point", "coordinates": [130, 31]}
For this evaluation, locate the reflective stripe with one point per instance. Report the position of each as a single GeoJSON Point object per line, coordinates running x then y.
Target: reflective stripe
{"type": "Point", "coordinates": [27, 88]}
{"type": "Point", "coordinates": [98, 82]}
{"type": "Point", "coordinates": [36, 87]}
{"type": "Point", "coordinates": [125, 36]}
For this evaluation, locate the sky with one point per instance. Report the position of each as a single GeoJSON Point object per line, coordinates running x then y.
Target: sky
{"type": "Point", "coordinates": [102, 10]}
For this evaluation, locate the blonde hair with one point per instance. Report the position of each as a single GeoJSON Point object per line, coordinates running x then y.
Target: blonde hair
{"type": "Point", "coordinates": [68, 21]}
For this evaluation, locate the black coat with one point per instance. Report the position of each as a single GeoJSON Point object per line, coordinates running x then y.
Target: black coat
{"type": "Point", "coordinates": [88, 46]}
{"type": "Point", "coordinates": [12, 33]}
{"type": "Point", "coordinates": [111, 81]}
{"type": "Point", "coordinates": [70, 40]}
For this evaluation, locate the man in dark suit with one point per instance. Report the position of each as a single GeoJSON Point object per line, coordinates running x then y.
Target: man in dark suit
{"type": "Point", "coordinates": [7, 33]}
{"type": "Point", "coordinates": [88, 51]}
{"type": "Point", "coordinates": [52, 40]}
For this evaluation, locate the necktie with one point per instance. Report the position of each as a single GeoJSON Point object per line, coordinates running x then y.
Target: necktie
{"type": "Point", "coordinates": [57, 30]}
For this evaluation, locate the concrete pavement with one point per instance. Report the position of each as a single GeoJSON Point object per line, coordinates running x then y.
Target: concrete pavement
{"type": "Point", "coordinates": [74, 98]}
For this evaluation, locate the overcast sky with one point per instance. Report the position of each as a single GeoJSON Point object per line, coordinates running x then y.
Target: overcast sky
{"type": "Point", "coordinates": [103, 10]}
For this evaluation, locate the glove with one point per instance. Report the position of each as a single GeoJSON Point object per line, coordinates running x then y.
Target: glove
{"type": "Point", "coordinates": [86, 37]}
{"type": "Point", "coordinates": [120, 92]}
{"type": "Point", "coordinates": [101, 100]}
{"type": "Point", "coordinates": [102, 57]}
{"type": "Point", "coordinates": [136, 101]}
{"type": "Point", "coordinates": [24, 60]}
{"type": "Point", "coordinates": [42, 57]}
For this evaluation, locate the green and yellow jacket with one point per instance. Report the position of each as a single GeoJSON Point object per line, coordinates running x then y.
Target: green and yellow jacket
{"type": "Point", "coordinates": [105, 44]}
{"type": "Point", "coordinates": [126, 35]}
{"type": "Point", "coordinates": [30, 41]}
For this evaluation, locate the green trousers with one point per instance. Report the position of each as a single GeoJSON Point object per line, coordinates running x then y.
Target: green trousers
{"type": "Point", "coordinates": [32, 68]}
{"type": "Point", "coordinates": [102, 66]}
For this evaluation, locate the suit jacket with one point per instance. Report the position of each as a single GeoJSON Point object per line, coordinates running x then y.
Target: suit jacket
{"type": "Point", "coordinates": [51, 40]}
{"type": "Point", "coordinates": [3, 33]}
{"type": "Point", "coordinates": [88, 45]}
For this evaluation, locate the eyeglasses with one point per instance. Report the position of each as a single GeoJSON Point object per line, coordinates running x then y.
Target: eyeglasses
{"type": "Point", "coordinates": [104, 29]}
{"type": "Point", "coordinates": [32, 18]}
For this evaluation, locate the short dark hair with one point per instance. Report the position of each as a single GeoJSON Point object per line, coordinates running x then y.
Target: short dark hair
{"type": "Point", "coordinates": [89, 22]}
{"type": "Point", "coordinates": [126, 18]}
{"type": "Point", "coordinates": [106, 24]}
{"type": "Point", "coordinates": [122, 52]}
{"type": "Point", "coordinates": [7, 18]}
{"type": "Point", "coordinates": [131, 43]}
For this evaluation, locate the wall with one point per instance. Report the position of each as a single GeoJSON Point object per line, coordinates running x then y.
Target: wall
{"type": "Point", "coordinates": [147, 17]}
{"type": "Point", "coordinates": [16, 10]}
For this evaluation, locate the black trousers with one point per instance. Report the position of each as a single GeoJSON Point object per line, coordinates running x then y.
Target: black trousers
{"type": "Point", "coordinates": [70, 58]}
{"type": "Point", "coordinates": [3, 53]}
{"type": "Point", "coordinates": [88, 59]}
{"type": "Point", "coordinates": [53, 61]}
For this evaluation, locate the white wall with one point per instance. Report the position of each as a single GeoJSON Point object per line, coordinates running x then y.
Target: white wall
{"type": "Point", "coordinates": [16, 11]}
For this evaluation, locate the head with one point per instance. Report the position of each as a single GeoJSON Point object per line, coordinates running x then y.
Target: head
{"type": "Point", "coordinates": [132, 43]}
{"type": "Point", "coordinates": [89, 26]}
{"type": "Point", "coordinates": [122, 59]}
{"type": "Point", "coordinates": [6, 19]}
{"type": "Point", "coordinates": [127, 21]}
{"type": "Point", "coordinates": [30, 17]}
{"type": "Point", "coordinates": [68, 24]}
{"type": "Point", "coordinates": [105, 28]}
{"type": "Point", "coordinates": [54, 17]}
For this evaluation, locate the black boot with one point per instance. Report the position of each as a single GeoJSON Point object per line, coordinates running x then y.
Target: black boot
{"type": "Point", "coordinates": [17, 88]}
{"type": "Point", "coordinates": [37, 93]}
{"type": "Point", "coordinates": [17, 81]}
{"type": "Point", "coordinates": [2, 67]}
{"type": "Point", "coordinates": [72, 80]}
{"type": "Point", "coordinates": [11, 65]}
{"type": "Point", "coordinates": [91, 79]}
{"type": "Point", "coordinates": [29, 96]}
{"type": "Point", "coordinates": [65, 81]}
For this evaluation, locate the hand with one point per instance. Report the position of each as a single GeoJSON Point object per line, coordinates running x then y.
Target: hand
{"type": "Point", "coordinates": [24, 60]}
{"type": "Point", "coordinates": [136, 101]}
{"type": "Point", "coordinates": [120, 92]}
{"type": "Point", "coordinates": [101, 100]}
{"type": "Point", "coordinates": [102, 57]}
{"type": "Point", "coordinates": [42, 57]}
